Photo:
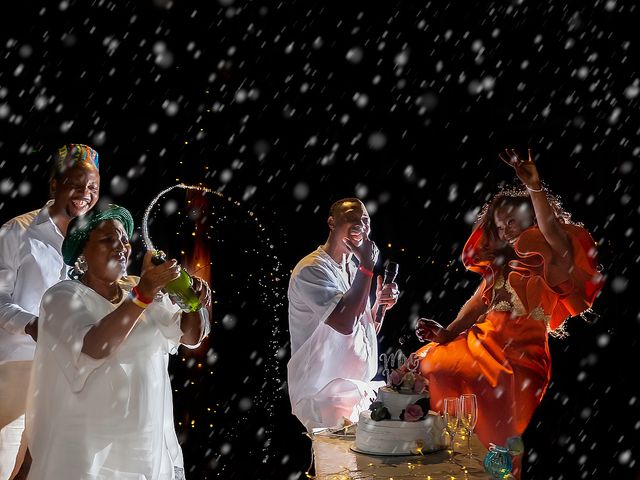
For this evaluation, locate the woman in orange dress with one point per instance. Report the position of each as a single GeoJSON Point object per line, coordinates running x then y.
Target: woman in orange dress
{"type": "Point", "coordinates": [538, 268]}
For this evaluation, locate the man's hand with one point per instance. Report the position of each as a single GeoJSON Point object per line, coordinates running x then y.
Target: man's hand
{"type": "Point", "coordinates": [31, 328]}
{"type": "Point", "coordinates": [386, 294]}
{"type": "Point", "coordinates": [366, 253]}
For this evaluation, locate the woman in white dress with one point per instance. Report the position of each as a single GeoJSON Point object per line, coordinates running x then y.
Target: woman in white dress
{"type": "Point", "coordinates": [100, 402]}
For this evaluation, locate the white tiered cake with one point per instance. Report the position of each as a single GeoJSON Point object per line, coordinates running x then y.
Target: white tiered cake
{"type": "Point", "coordinates": [399, 424]}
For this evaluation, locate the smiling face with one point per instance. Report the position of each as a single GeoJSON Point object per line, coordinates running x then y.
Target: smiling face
{"type": "Point", "coordinates": [511, 220]}
{"type": "Point", "coordinates": [107, 251]}
{"type": "Point", "coordinates": [76, 191]}
{"type": "Point", "coordinates": [351, 220]}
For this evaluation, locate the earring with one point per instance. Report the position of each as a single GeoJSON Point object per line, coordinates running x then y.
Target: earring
{"type": "Point", "coordinates": [79, 268]}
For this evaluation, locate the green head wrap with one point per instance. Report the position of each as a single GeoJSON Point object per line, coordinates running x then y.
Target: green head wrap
{"type": "Point", "coordinates": [81, 227]}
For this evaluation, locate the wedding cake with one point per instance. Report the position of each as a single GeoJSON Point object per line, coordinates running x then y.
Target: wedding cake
{"type": "Point", "coordinates": [399, 421]}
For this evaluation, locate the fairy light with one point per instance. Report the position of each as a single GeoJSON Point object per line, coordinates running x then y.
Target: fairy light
{"type": "Point", "coordinates": [267, 281]}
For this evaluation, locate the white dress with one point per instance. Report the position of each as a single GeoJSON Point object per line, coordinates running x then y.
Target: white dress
{"type": "Point", "coordinates": [329, 374]}
{"type": "Point", "coordinates": [102, 419]}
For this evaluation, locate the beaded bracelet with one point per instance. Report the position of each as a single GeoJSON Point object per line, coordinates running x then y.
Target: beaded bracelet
{"type": "Point", "coordinates": [366, 271]}
{"type": "Point", "coordinates": [142, 298]}
{"type": "Point", "coordinates": [135, 298]}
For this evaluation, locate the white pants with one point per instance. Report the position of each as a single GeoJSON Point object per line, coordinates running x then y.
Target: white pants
{"type": "Point", "coordinates": [340, 399]}
{"type": "Point", "coordinates": [14, 384]}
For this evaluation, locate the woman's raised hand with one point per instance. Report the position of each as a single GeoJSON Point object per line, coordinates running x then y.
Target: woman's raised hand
{"type": "Point", "coordinates": [525, 168]}
{"type": "Point", "coordinates": [428, 330]}
{"type": "Point", "coordinates": [155, 277]}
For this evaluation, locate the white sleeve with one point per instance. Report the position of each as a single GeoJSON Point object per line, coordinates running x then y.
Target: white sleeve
{"type": "Point", "coordinates": [166, 316]}
{"type": "Point", "coordinates": [65, 319]}
{"type": "Point", "coordinates": [13, 318]}
{"type": "Point", "coordinates": [205, 328]}
{"type": "Point", "coordinates": [315, 288]}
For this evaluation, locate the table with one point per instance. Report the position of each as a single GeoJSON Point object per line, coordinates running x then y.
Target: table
{"type": "Point", "coordinates": [334, 460]}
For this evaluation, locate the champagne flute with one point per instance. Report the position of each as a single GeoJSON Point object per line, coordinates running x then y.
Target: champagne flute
{"type": "Point", "coordinates": [468, 416]}
{"type": "Point", "coordinates": [451, 412]}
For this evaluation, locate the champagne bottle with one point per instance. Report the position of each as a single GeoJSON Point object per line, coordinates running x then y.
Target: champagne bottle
{"type": "Point", "coordinates": [180, 290]}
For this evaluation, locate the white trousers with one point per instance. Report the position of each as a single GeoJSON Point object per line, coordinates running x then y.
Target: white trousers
{"type": "Point", "coordinates": [14, 384]}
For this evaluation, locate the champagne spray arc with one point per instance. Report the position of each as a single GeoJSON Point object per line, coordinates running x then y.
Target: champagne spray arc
{"type": "Point", "coordinates": [180, 289]}
{"type": "Point", "coordinates": [145, 218]}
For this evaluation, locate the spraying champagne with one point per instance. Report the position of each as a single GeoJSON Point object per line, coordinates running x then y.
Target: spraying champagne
{"type": "Point", "coordinates": [181, 289]}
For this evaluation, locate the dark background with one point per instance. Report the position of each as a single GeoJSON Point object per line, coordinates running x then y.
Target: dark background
{"type": "Point", "coordinates": [285, 107]}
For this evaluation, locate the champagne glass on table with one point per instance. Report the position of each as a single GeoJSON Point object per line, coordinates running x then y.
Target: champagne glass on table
{"type": "Point", "coordinates": [468, 416]}
{"type": "Point", "coordinates": [451, 412]}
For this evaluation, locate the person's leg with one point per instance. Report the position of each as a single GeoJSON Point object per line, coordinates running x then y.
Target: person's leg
{"type": "Point", "coordinates": [475, 362]}
{"type": "Point", "coordinates": [21, 472]}
{"type": "Point", "coordinates": [10, 438]}
{"type": "Point", "coordinates": [14, 384]}
{"type": "Point", "coordinates": [340, 399]}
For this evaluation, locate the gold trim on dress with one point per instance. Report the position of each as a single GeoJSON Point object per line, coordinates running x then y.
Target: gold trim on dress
{"type": "Point", "coordinates": [515, 305]}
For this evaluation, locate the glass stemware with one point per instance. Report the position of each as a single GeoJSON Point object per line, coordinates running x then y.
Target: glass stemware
{"type": "Point", "coordinates": [451, 419]}
{"type": "Point", "coordinates": [468, 416]}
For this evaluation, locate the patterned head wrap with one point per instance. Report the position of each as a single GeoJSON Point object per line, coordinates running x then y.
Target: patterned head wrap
{"type": "Point", "coordinates": [81, 227]}
{"type": "Point", "coordinates": [68, 155]}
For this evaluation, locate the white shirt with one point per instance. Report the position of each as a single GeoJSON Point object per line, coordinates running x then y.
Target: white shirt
{"type": "Point", "coordinates": [102, 419]}
{"type": "Point", "coordinates": [329, 373]}
{"type": "Point", "coordinates": [30, 263]}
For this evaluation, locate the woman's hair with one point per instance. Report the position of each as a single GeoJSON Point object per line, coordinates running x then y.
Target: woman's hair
{"type": "Point", "coordinates": [515, 197]}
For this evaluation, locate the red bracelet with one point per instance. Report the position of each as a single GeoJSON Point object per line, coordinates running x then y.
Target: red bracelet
{"type": "Point", "coordinates": [136, 292]}
{"type": "Point", "coordinates": [367, 272]}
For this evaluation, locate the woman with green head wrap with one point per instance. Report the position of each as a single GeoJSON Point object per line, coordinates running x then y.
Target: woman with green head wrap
{"type": "Point", "coordinates": [100, 403]}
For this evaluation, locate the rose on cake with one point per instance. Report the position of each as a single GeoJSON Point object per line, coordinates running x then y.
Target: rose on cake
{"type": "Point", "coordinates": [420, 385]}
{"type": "Point", "coordinates": [395, 378]}
{"type": "Point", "coordinates": [416, 411]}
{"type": "Point", "coordinates": [406, 381]}
{"type": "Point", "coordinates": [412, 413]}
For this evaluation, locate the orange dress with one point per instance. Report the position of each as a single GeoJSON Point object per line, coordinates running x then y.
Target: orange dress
{"type": "Point", "coordinates": [504, 357]}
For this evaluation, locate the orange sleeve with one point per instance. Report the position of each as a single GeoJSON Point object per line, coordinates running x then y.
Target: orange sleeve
{"type": "Point", "coordinates": [576, 288]}
{"type": "Point", "coordinates": [536, 275]}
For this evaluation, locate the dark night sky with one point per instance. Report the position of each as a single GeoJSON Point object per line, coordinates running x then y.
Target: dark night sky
{"type": "Point", "coordinates": [288, 106]}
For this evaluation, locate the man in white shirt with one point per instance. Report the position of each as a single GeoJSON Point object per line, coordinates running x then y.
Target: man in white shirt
{"type": "Point", "coordinates": [30, 263]}
{"type": "Point", "coordinates": [334, 347]}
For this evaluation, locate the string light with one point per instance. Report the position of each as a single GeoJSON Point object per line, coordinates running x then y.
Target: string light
{"type": "Point", "coordinates": [267, 282]}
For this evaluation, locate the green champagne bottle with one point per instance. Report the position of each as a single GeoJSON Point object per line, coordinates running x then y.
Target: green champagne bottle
{"type": "Point", "coordinates": [181, 289]}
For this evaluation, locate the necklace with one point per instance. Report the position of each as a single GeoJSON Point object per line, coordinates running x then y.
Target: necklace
{"type": "Point", "coordinates": [117, 297]}
{"type": "Point", "coordinates": [114, 299]}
